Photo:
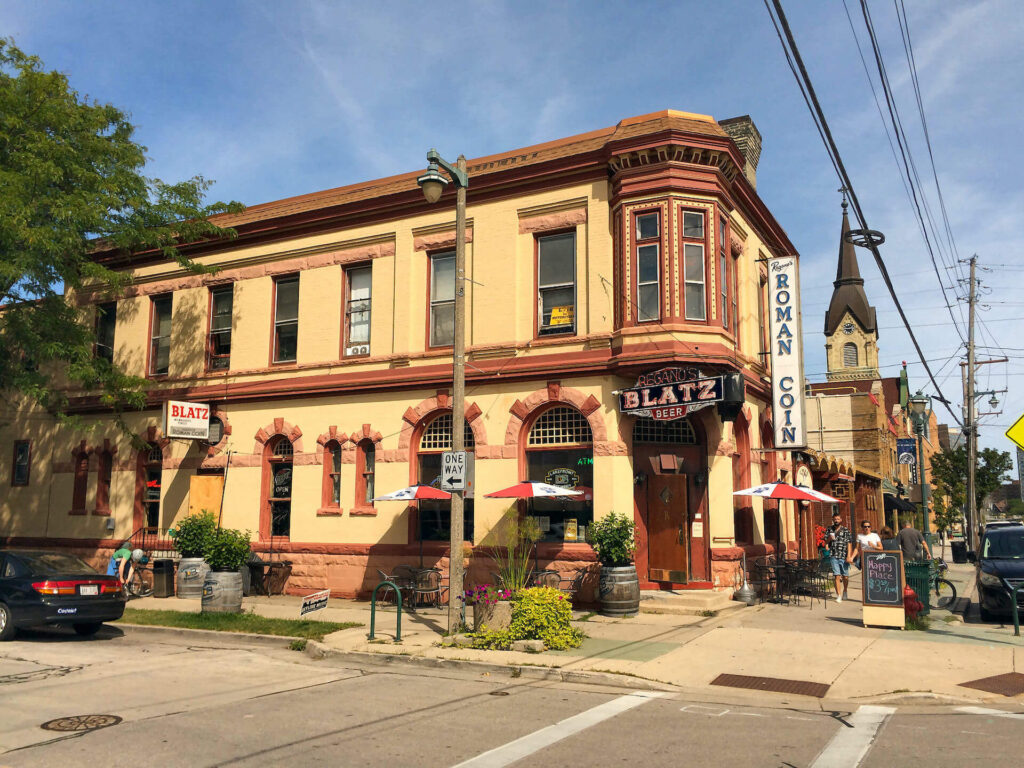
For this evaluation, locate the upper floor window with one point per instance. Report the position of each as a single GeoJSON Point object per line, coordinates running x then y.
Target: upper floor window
{"type": "Point", "coordinates": [22, 462]}
{"type": "Point", "coordinates": [365, 470]}
{"type": "Point", "coordinates": [556, 284]}
{"type": "Point", "coordinates": [160, 336]}
{"type": "Point", "coordinates": [693, 266]}
{"type": "Point", "coordinates": [219, 343]}
{"type": "Point", "coordinates": [762, 290]}
{"type": "Point", "coordinates": [357, 311]}
{"type": "Point", "coordinates": [648, 260]}
{"type": "Point", "coordinates": [286, 319]}
{"type": "Point", "coordinates": [723, 275]}
{"type": "Point", "coordinates": [106, 320]}
{"type": "Point", "coordinates": [442, 299]}
{"type": "Point", "coordinates": [850, 355]}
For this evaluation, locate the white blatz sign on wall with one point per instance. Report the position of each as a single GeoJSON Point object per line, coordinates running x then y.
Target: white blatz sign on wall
{"type": "Point", "coordinates": [786, 352]}
{"type": "Point", "coordinates": [190, 421]}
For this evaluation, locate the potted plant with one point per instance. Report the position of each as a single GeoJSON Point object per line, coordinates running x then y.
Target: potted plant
{"type": "Point", "coordinates": [492, 607]}
{"type": "Point", "coordinates": [190, 537]}
{"type": "Point", "coordinates": [819, 541]}
{"type": "Point", "coordinates": [227, 551]}
{"type": "Point", "coordinates": [513, 540]}
{"type": "Point", "coordinates": [613, 540]}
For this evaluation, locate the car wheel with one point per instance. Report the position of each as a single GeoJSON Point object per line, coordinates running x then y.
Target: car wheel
{"type": "Point", "coordinates": [88, 630]}
{"type": "Point", "coordinates": [7, 629]}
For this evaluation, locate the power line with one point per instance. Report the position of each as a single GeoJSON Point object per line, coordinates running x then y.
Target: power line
{"type": "Point", "coordinates": [818, 114]}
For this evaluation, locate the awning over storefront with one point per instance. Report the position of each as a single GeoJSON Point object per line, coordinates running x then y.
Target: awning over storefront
{"type": "Point", "coordinates": [898, 504]}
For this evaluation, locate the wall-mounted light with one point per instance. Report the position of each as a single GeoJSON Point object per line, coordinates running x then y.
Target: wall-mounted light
{"type": "Point", "coordinates": [639, 478]}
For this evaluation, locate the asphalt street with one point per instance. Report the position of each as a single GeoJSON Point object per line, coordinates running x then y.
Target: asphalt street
{"type": "Point", "coordinates": [202, 701]}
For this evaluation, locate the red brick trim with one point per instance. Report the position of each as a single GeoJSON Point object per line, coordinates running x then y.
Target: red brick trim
{"type": "Point", "coordinates": [553, 221]}
{"type": "Point", "coordinates": [414, 417]}
{"type": "Point", "coordinates": [278, 427]}
{"type": "Point", "coordinates": [213, 450]}
{"type": "Point", "coordinates": [439, 240]}
{"type": "Point", "coordinates": [362, 512]}
{"type": "Point", "coordinates": [588, 405]}
{"type": "Point", "coordinates": [329, 512]}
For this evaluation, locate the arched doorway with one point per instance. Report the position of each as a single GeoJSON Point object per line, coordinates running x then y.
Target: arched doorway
{"type": "Point", "coordinates": [670, 485]}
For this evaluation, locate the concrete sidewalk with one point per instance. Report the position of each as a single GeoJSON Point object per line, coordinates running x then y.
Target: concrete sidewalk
{"type": "Point", "coordinates": [818, 643]}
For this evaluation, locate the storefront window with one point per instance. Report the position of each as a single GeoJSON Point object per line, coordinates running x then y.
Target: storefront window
{"type": "Point", "coordinates": [436, 516]}
{"type": "Point", "coordinates": [151, 497]}
{"type": "Point", "coordinates": [281, 488]}
{"type": "Point", "coordinates": [560, 452]}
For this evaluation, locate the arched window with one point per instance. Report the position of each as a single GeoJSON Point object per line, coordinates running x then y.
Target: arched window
{"type": "Point", "coordinates": [849, 355]}
{"type": "Point", "coordinates": [560, 451]}
{"type": "Point", "coordinates": [366, 460]}
{"type": "Point", "coordinates": [331, 496]}
{"type": "Point", "coordinates": [277, 485]}
{"type": "Point", "coordinates": [652, 431]}
{"type": "Point", "coordinates": [103, 478]}
{"type": "Point", "coordinates": [81, 482]}
{"type": "Point", "coordinates": [743, 512]}
{"type": "Point", "coordinates": [151, 464]}
{"type": "Point", "coordinates": [436, 516]}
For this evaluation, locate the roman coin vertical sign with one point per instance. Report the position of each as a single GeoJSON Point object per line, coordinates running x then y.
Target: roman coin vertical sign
{"type": "Point", "coordinates": [786, 352]}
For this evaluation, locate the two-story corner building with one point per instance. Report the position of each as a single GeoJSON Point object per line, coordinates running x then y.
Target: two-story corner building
{"type": "Point", "coordinates": [323, 344]}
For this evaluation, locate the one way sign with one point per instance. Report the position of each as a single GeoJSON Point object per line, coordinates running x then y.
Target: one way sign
{"type": "Point", "coordinates": [453, 471]}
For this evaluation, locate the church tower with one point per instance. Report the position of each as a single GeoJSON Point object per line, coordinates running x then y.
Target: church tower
{"type": "Point", "coordinates": [851, 331]}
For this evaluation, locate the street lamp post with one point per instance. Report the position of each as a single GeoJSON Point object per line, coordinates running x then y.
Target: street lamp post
{"type": "Point", "coordinates": [920, 411]}
{"type": "Point", "coordinates": [433, 183]}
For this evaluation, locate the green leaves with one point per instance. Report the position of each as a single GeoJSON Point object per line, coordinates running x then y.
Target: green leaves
{"type": "Point", "coordinates": [193, 533]}
{"type": "Point", "coordinates": [612, 539]}
{"type": "Point", "coordinates": [227, 549]}
{"type": "Point", "coordinates": [949, 474]}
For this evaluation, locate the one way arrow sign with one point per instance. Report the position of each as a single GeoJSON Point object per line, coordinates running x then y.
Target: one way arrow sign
{"type": "Point", "coordinates": [453, 471]}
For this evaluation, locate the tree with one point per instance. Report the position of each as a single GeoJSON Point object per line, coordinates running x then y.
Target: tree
{"type": "Point", "coordinates": [71, 186]}
{"type": "Point", "coordinates": [949, 474]}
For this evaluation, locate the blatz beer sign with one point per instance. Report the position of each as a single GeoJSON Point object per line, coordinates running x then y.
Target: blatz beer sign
{"type": "Point", "coordinates": [670, 393]}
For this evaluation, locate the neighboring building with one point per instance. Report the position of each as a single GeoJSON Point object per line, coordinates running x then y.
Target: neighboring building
{"type": "Point", "coordinates": [323, 344]}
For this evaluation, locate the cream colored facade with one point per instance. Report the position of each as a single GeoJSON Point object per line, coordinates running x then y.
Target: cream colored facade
{"type": "Point", "coordinates": [594, 186]}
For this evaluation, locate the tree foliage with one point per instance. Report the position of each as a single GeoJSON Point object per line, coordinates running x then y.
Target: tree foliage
{"type": "Point", "coordinates": [72, 184]}
{"type": "Point", "coordinates": [949, 474]}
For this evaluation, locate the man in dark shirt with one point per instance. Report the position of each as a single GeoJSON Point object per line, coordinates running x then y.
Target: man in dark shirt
{"type": "Point", "coordinates": [912, 543]}
{"type": "Point", "coordinates": [839, 544]}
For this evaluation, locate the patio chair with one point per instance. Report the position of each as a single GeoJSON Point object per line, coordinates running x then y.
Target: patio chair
{"type": "Point", "coordinates": [428, 586]}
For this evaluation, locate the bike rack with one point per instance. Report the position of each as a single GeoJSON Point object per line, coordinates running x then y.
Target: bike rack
{"type": "Point", "coordinates": [1013, 606]}
{"type": "Point", "coordinates": [373, 608]}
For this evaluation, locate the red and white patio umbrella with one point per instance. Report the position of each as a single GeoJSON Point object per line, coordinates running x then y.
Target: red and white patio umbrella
{"type": "Point", "coordinates": [786, 491]}
{"type": "Point", "coordinates": [532, 491]}
{"type": "Point", "coordinates": [413, 492]}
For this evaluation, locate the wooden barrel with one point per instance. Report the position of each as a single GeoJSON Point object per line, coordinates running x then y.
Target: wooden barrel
{"type": "Point", "coordinates": [222, 592]}
{"type": "Point", "coordinates": [620, 591]}
{"type": "Point", "coordinates": [191, 574]}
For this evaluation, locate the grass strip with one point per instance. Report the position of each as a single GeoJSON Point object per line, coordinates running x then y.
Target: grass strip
{"type": "Point", "coordinates": [237, 622]}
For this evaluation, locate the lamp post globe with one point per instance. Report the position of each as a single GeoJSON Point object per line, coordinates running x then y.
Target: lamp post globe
{"type": "Point", "coordinates": [432, 183]}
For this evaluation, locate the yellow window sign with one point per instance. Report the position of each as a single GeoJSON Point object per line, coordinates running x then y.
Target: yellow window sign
{"type": "Point", "coordinates": [562, 315]}
{"type": "Point", "coordinates": [1016, 433]}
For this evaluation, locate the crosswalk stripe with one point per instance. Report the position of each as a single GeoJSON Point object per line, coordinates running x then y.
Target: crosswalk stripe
{"type": "Point", "coordinates": [991, 712]}
{"type": "Point", "coordinates": [850, 745]}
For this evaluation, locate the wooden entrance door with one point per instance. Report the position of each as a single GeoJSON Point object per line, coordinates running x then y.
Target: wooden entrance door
{"type": "Point", "coordinates": [667, 528]}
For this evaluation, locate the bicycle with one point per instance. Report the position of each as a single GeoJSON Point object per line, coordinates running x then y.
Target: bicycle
{"type": "Point", "coordinates": [945, 592]}
{"type": "Point", "coordinates": [140, 580]}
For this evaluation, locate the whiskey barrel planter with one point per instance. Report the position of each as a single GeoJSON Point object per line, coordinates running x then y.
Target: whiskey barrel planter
{"type": "Point", "coordinates": [222, 592]}
{"type": "Point", "coordinates": [191, 575]}
{"type": "Point", "coordinates": [620, 591]}
{"type": "Point", "coordinates": [497, 617]}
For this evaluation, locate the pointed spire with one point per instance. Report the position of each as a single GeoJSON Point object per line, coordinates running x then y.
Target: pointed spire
{"type": "Point", "coordinates": [848, 296]}
{"type": "Point", "coordinates": [848, 272]}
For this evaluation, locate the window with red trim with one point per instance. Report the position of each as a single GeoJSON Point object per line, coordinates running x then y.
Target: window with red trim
{"type": "Point", "coordinates": [694, 271]}
{"type": "Point", "coordinates": [278, 456]}
{"type": "Point", "coordinates": [442, 299]}
{"type": "Point", "coordinates": [160, 336]}
{"type": "Point", "coordinates": [648, 266]}
{"type": "Point", "coordinates": [104, 473]}
{"type": "Point", "coordinates": [743, 512]}
{"type": "Point", "coordinates": [218, 344]}
{"type": "Point", "coordinates": [723, 274]}
{"type": "Point", "coordinates": [435, 515]}
{"type": "Point", "coordinates": [762, 319]}
{"type": "Point", "coordinates": [366, 459]}
{"type": "Point", "coordinates": [358, 282]}
{"type": "Point", "coordinates": [22, 462]}
{"type": "Point", "coordinates": [556, 284]}
{"type": "Point", "coordinates": [151, 468]}
{"type": "Point", "coordinates": [286, 319]}
{"type": "Point", "coordinates": [106, 321]}
{"type": "Point", "coordinates": [81, 481]}
{"type": "Point", "coordinates": [331, 496]}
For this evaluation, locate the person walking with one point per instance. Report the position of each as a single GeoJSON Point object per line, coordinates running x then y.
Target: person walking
{"type": "Point", "coordinates": [866, 542]}
{"type": "Point", "coordinates": [888, 539]}
{"type": "Point", "coordinates": [839, 539]}
{"type": "Point", "coordinates": [912, 543]}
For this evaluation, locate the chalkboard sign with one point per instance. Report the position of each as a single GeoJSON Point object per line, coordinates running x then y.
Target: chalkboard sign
{"type": "Point", "coordinates": [883, 578]}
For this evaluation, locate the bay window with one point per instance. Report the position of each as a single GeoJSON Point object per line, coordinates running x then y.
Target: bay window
{"type": "Point", "coordinates": [648, 270]}
{"type": "Point", "coordinates": [693, 266]}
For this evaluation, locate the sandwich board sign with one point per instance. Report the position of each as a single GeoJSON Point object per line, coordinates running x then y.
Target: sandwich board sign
{"type": "Point", "coordinates": [883, 589]}
{"type": "Point", "coordinates": [453, 471]}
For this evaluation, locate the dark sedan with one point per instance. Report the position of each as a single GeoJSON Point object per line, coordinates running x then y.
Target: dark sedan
{"type": "Point", "coordinates": [55, 588]}
{"type": "Point", "coordinates": [1000, 569]}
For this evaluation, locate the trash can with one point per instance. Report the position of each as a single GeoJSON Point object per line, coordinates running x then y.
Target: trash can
{"type": "Point", "coordinates": [959, 551]}
{"type": "Point", "coordinates": [918, 573]}
{"type": "Point", "coordinates": [163, 578]}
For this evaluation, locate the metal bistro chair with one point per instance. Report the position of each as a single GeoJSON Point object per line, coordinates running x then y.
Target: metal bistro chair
{"type": "Point", "coordinates": [811, 581]}
{"type": "Point", "coordinates": [762, 577]}
{"type": "Point", "coordinates": [428, 587]}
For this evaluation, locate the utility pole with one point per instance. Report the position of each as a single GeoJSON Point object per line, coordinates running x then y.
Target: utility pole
{"type": "Point", "coordinates": [969, 426]}
{"type": "Point", "coordinates": [455, 571]}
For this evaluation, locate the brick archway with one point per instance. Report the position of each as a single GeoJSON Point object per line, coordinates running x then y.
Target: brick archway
{"type": "Point", "coordinates": [277, 427]}
{"type": "Point", "coordinates": [414, 417]}
{"type": "Point", "coordinates": [332, 434]}
{"type": "Point", "coordinates": [588, 405]}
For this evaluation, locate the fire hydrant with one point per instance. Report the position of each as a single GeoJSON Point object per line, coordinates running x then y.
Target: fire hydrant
{"type": "Point", "coordinates": [911, 605]}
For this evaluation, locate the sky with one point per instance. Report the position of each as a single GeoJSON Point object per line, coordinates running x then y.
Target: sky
{"type": "Point", "coordinates": [274, 99]}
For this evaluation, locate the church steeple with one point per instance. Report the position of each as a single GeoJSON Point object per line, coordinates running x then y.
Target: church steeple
{"type": "Point", "coordinates": [851, 330]}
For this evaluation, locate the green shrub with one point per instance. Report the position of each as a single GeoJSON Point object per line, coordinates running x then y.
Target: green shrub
{"type": "Point", "coordinates": [512, 552]}
{"type": "Point", "coordinates": [538, 613]}
{"type": "Point", "coordinates": [227, 549]}
{"type": "Point", "coordinates": [612, 539]}
{"type": "Point", "coordinates": [191, 534]}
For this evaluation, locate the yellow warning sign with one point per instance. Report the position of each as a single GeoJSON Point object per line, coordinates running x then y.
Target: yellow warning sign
{"type": "Point", "coordinates": [1016, 433]}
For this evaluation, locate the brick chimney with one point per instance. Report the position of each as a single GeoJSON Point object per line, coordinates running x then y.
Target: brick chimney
{"type": "Point", "coordinates": [748, 141]}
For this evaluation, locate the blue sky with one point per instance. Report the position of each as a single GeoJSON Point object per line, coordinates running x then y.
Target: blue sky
{"type": "Point", "coordinates": [273, 99]}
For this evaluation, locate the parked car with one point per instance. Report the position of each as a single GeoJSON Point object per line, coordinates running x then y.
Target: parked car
{"type": "Point", "coordinates": [55, 588]}
{"type": "Point", "coordinates": [999, 568]}
{"type": "Point", "coordinates": [1001, 524]}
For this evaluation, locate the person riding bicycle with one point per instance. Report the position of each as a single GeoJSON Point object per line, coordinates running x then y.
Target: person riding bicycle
{"type": "Point", "coordinates": [120, 562]}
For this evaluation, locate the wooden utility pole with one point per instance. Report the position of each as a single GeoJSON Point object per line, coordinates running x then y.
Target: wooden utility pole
{"type": "Point", "coordinates": [455, 570]}
{"type": "Point", "coordinates": [969, 426]}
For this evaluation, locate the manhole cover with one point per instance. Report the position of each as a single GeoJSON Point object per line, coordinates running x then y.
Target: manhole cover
{"type": "Point", "coordinates": [1010, 684]}
{"type": "Point", "coordinates": [81, 723]}
{"type": "Point", "coordinates": [774, 684]}
{"type": "Point", "coordinates": [496, 693]}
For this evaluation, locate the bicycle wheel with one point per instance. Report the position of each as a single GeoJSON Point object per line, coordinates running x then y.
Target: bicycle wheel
{"type": "Point", "coordinates": [945, 594]}
{"type": "Point", "coordinates": [140, 584]}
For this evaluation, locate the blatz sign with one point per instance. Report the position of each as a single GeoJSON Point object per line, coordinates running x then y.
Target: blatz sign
{"type": "Point", "coordinates": [670, 393]}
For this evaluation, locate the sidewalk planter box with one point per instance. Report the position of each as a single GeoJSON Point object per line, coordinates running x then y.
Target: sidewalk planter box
{"type": "Point", "coordinates": [191, 575]}
{"type": "Point", "coordinates": [620, 591]}
{"type": "Point", "coordinates": [496, 616]}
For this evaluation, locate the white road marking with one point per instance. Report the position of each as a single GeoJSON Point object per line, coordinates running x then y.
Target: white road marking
{"type": "Point", "coordinates": [991, 712]}
{"type": "Point", "coordinates": [509, 753]}
{"type": "Point", "coordinates": [850, 745]}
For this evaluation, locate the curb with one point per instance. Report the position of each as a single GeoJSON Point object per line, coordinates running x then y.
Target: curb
{"type": "Point", "coordinates": [317, 650]}
{"type": "Point", "coordinates": [277, 640]}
